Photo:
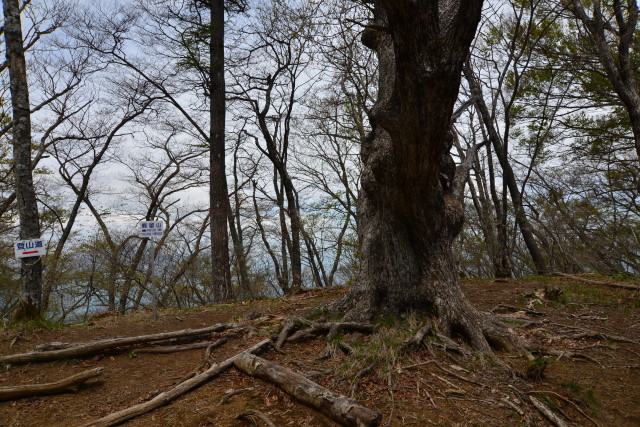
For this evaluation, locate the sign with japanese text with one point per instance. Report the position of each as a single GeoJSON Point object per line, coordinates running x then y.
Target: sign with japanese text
{"type": "Point", "coordinates": [27, 248]}
{"type": "Point", "coordinates": [151, 228]}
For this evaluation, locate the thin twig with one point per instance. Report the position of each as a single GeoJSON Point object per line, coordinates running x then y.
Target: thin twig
{"type": "Point", "coordinates": [228, 395]}
{"type": "Point", "coordinates": [253, 413]}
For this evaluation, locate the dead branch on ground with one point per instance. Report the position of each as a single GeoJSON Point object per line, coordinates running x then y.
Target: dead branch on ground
{"type": "Point", "coordinates": [568, 401]}
{"type": "Point", "coordinates": [170, 395]}
{"type": "Point", "coordinates": [337, 407]}
{"type": "Point", "coordinates": [71, 383]}
{"type": "Point", "coordinates": [92, 347]}
{"type": "Point", "coordinates": [547, 413]}
{"type": "Point", "coordinates": [164, 349]}
{"type": "Point", "coordinates": [228, 395]}
{"type": "Point", "coordinates": [253, 413]}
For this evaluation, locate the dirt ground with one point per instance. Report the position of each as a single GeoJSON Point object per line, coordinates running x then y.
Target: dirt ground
{"type": "Point", "coordinates": [591, 375]}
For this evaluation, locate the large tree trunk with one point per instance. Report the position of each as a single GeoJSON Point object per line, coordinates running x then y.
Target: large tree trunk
{"type": "Point", "coordinates": [30, 304]}
{"type": "Point", "coordinates": [408, 212]}
{"type": "Point", "coordinates": [218, 178]}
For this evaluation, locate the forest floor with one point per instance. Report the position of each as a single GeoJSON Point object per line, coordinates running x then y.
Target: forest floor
{"type": "Point", "coordinates": [593, 378]}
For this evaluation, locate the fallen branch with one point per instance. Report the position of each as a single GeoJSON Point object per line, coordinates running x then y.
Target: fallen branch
{"type": "Point", "coordinates": [181, 340]}
{"type": "Point", "coordinates": [337, 407]}
{"type": "Point", "coordinates": [93, 347]}
{"type": "Point", "coordinates": [71, 383]}
{"type": "Point", "coordinates": [596, 282]}
{"type": "Point", "coordinates": [254, 413]}
{"type": "Point", "coordinates": [170, 395]}
{"type": "Point", "coordinates": [164, 349]}
{"type": "Point", "coordinates": [568, 401]}
{"type": "Point", "coordinates": [228, 395]}
{"type": "Point", "coordinates": [548, 414]}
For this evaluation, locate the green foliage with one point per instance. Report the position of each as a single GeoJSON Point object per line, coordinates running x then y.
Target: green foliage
{"type": "Point", "coordinates": [586, 395]}
{"type": "Point", "coordinates": [38, 324]}
{"type": "Point", "coordinates": [537, 367]}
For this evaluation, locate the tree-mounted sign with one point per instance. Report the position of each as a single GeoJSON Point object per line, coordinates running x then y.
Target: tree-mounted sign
{"type": "Point", "coordinates": [29, 248]}
{"type": "Point", "coordinates": [151, 228]}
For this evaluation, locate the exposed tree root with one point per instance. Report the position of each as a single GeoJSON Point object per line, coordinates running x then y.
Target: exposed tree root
{"type": "Point", "coordinates": [212, 346]}
{"type": "Point", "coordinates": [339, 408]}
{"type": "Point", "coordinates": [512, 309]}
{"type": "Point", "coordinates": [93, 347]}
{"type": "Point", "coordinates": [71, 383]}
{"type": "Point", "coordinates": [417, 339]}
{"type": "Point", "coordinates": [331, 329]}
{"type": "Point", "coordinates": [596, 282]}
{"type": "Point", "coordinates": [253, 413]}
{"type": "Point", "coordinates": [455, 317]}
{"type": "Point", "coordinates": [366, 370]}
{"type": "Point", "coordinates": [170, 395]}
{"type": "Point", "coordinates": [288, 326]}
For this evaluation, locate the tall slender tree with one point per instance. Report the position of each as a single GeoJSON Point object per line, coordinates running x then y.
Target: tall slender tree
{"type": "Point", "coordinates": [27, 206]}
{"type": "Point", "coordinates": [219, 202]}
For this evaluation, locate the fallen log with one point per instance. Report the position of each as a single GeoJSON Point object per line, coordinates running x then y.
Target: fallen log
{"type": "Point", "coordinates": [596, 282]}
{"type": "Point", "coordinates": [71, 383]}
{"type": "Point", "coordinates": [92, 347]}
{"type": "Point", "coordinates": [335, 406]}
{"type": "Point", "coordinates": [168, 396]}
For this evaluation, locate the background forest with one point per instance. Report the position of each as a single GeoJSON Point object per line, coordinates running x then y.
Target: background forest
{"type": "Point", "coordinates": [547, 122]}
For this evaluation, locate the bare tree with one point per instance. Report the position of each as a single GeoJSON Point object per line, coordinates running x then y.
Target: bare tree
{"type": "Point", "coordinates": [613, 30]}
{"type": "Point", "coordinates": [31, 270]}
{"type": "Point", "coordinates": [280, 39]}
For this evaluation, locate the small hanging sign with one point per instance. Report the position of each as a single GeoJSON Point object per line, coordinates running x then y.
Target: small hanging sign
{"type": "Point", "coordinates": [29, 248]}
{"type": "Point", "coordinates": [151, 228]}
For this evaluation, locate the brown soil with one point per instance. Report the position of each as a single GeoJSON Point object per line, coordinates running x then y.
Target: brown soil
{"type": "Point", "coordinates": [591, 376]}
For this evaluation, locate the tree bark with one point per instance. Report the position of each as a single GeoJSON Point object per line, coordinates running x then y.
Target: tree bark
{"type": "Point", "coordinates": [408, 212]}
{"type": "Point", "coordinates": [219, 203]}
{"type": "Point", "coordinates": [30, 304]}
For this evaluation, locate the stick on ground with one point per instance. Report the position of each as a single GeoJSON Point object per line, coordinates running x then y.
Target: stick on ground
{"type": "Point", "coordinates": [254, 413]}
{"type": "Point", "coordinates": [93, 347]}
{"type": "Point", "coordinates": [548, 414]}
{"type": "Point", "coordinates": [170, 395]}
{"type": "Point", "coordinates": [71, 383]}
